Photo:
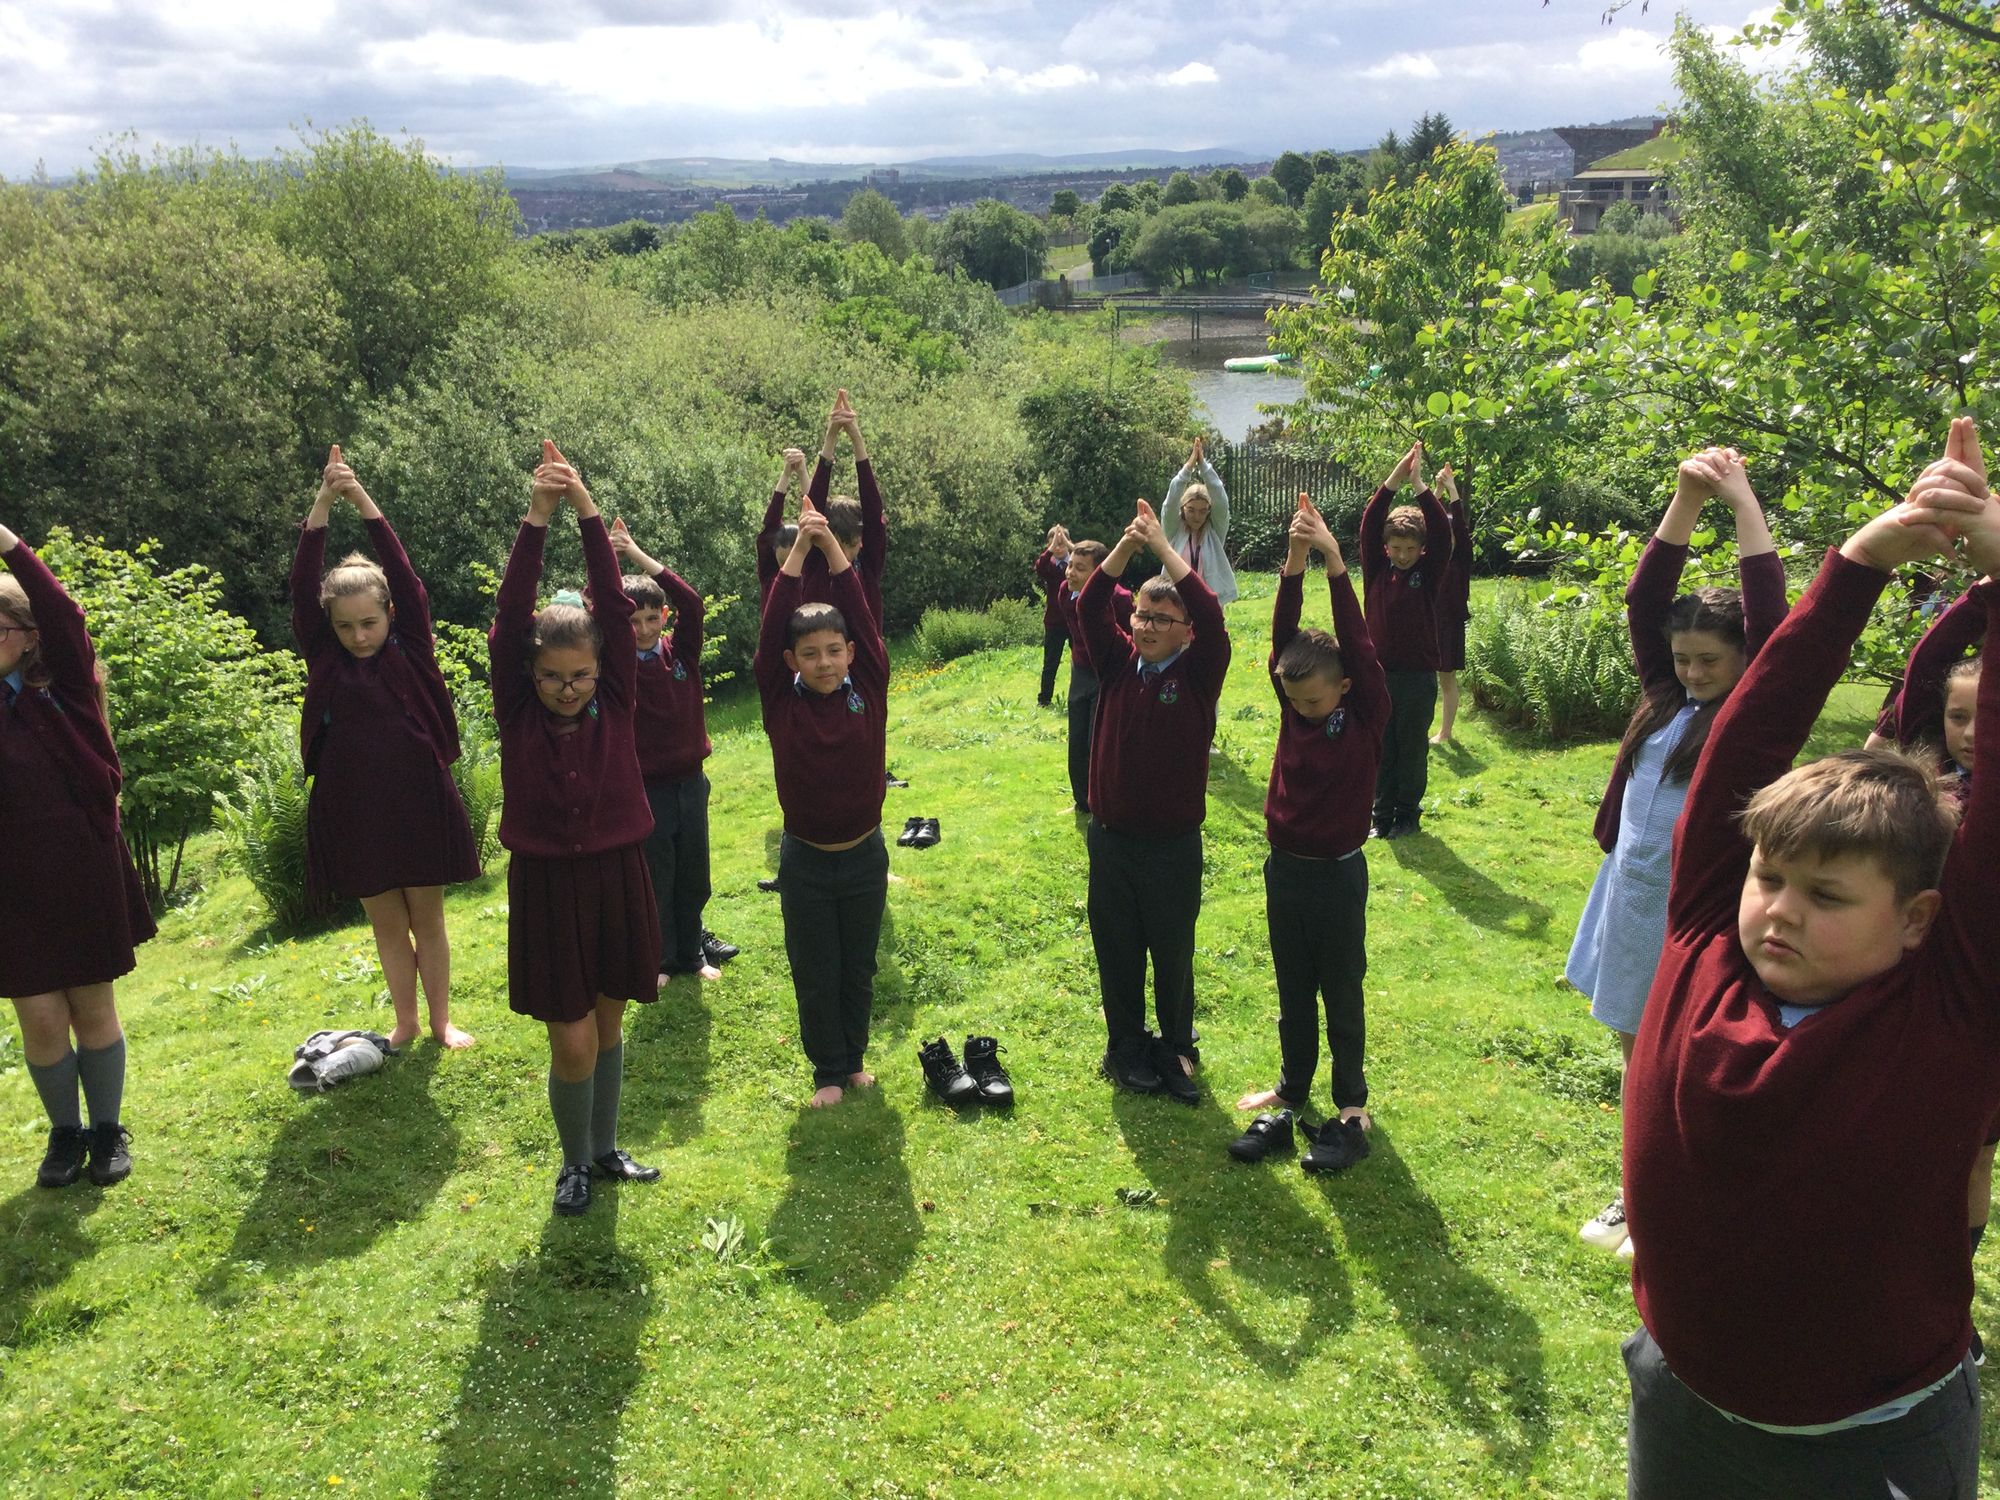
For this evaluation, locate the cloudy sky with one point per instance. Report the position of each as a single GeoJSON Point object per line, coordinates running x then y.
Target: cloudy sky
{"type": "Point", "coordinates": [839, 80]}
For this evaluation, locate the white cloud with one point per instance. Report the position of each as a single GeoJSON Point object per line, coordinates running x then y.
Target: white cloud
{"type": "Point", "coordinates": [1417, 65]}
{"type": "Point", "coordinates": [1194, 72]}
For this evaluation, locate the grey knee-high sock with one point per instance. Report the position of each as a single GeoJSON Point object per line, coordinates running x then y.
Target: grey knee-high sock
{"type": "Point", "coordinates": [56, 1083]}
{"type": "Point", "coordinates": [102, 1070]}
{"type": "Point", "coordinates": [570, 1104]}
{"type": "Point", "coordinates": [609, 1079]}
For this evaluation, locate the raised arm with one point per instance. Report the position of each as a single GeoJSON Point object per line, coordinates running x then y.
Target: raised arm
{"type": "Point", "coordinates": [1218, 501]}
{"type": "Point", "coordinates": [1971, 882]}
{"type": "Point", "coordinates": [406, 589]}
{"type": "Point", "coordinates": [1437, 537]}
{"type": "Point", "coordinates": [1368, 684]}
{"type": "Point", "coordinates": [1656, 581]}
{"type": "Point", "coordinates": [310, 627]}
{"type": "Point", "coordinates": [870, 663]}
{"type": "Point", "coordinates": [1759, 572]}
{"type": "Point", "coordinates": [65, 640]}
{"type": "Point", "coordinates": [1919, 713]}
{"type": "Point", "coordinates": [1110, 644]}
{"type": "Point", "coordinates": [1374, 516]}
{"type": "Point", "coordinates": [773, 676]}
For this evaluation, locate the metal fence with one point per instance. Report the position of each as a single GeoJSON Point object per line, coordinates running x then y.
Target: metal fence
{"type": "Point", "coordinates": [1264, 480]}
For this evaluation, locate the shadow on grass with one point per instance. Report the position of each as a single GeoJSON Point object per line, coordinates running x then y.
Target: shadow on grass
{"type": "Point", "coordinates": [1457, 759]}
{"type": "Point", "coordinates": [667, 1060]}
{"type": "Point", "coordinates": [847, 1227]}
{"type": "Point", "coordinates": [1475, 896]}
{"type": "Point", "coordinates": [1483, 1347]}
{"type": "Point", "coordinates": [346, 1167]}
{"type": "Point", "coordinates": [41, 1242]}
{"type": "Point", "coordinates": [545, 1386]}
{"type": "Point", "coordinates": [1237, 787]}
{"type": "Point", "coordinates": [1239, 1242]}
{"type": "Point", "coordinates": [895, 986]}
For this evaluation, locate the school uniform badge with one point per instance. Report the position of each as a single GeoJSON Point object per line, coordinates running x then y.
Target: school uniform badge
{"type": "Point", "coordinates": [854, 703]}
{"type": "Point", "coordinates": [1170, 691]}
{"type": "Point", "coordinates": [1335, 723]}
{"type": "Point", "coordinates": [680, 672]}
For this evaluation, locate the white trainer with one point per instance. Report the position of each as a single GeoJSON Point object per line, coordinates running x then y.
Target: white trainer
{"type": "Point", "coordinates": [1607, 1231]}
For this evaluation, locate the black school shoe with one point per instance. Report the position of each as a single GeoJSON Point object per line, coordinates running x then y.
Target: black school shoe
{"type": "Point", "coordinates": [63, 1164]}
{"type": "Point", "coordinates": [982, 1061]}
{"type": "Point", "coordinates": [891, 779]}
{"type": "Point", "coordinates": [715, 950]}
{"type": "Point", "coordinates": [109, 1160]}
{"type": "Point", "coordinates": [947, 1080]}
{"type": "Point", "coordinates": [768, 885]}
{"type": "Point", "coordinates": [573, 1191]}
{"type": "Point", "coordinates": [619, 1166]}
{"type": "Point", "coordinates": [1336, 1145]}
{"type": "Point", "coordinates": [1175, 1081]}
{"type": "Point", "coordinates": [927, 834]}
{"type": "Point", "coordinates": [911, 828]}
{"type": "Point", "coordinates": [1130, 1066]}
{"type": "Point", "coordinates": [1267, 1133]}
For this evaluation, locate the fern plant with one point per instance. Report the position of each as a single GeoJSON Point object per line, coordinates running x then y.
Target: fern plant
{"type": "Point", "coordinates": [1558, 670]}
{"type": "Point", "coordinates": [263, 819]}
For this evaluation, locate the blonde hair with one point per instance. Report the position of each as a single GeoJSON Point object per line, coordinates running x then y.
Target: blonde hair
{"type": "Point", "coordinates": [1405, 521]}
{"type": "Point", "coordinates": [1883, 804]}
{"type": "Point", "coordinates": [1196, 492]}
{"type": "Point", "coordinates": [356, 573]}
{"type": "Point", "coordinates": [15, 610]}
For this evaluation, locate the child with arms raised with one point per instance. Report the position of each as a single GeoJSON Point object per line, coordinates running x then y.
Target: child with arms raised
{"type": "Point", "coordinates": [71, 907]}
{"type": "Point", "coordinates": [1819, 1058]}
{"type": "Point", "coordinates": [823, 677]}
{"type": "Point", "coordinates": [1454, 605]}
{"type": "Point", "coordinates": [1195, 517]}
{"type": "Point", "coordinates": [1051, 570]}
{"type": "Point", "coordinates": [1148, 799]}
{"type": "Point", "coordinates": [1404, 552]}
{"type": "Point", "coordinates": [1688, 653]}
{"type": "Point", "coordinates": [385, 824]}
{"type": "Point", "coordinates": [673, 742]}
{"type": "Point", "coordinates": [583, 934]}
{"type": "Point", "coordinates": [1332, 701]}
{"type": "Point", "coordinates": [1084, 559]}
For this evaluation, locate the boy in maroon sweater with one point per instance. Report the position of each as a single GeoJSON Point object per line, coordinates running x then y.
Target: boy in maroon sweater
{"type": "Point", "coordinates": [857, 525]}
{"type": "Point", "coordinates": [1405, 550]}
{"type": "Point", "coordinates": [1332, 703]}
{"type": "Point", "coordinates": [1051, 569]}
{"type": "Point", "coordinates": [1148, 796]}
{"type": "Point", "coordinates": [1819, 1059]}
{"type": "Point", "coordinates": [823, 676]}
{"type": "Point", "coordinates": [1084, 558]}
{"type": "Point", "coordinates": [670, 725]}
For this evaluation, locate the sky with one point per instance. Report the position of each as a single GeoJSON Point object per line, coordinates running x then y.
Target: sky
{"type": "Point", "coordinates": [835, 80]}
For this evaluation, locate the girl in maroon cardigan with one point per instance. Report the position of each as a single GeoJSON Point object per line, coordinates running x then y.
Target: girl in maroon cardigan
{"type": "Point", "coordinates": [67, 925]}
{"type": "Point", "coordinates": [385, 825]}
{"type": "Point", "coordinates": [583, 934]}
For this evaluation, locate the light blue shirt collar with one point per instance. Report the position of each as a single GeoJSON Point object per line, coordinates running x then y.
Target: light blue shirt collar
{"type": "Point", "coordinates": [1154, 669]}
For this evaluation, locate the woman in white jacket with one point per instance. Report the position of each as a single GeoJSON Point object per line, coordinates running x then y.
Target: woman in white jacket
{"type": "Point", "coordinates": [1195, 517]}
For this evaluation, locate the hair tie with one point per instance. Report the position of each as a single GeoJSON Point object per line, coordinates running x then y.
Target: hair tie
{"type": "Point", "coordinates": [568, 596]}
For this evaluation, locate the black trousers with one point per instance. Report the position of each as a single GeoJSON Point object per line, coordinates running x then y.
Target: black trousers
{"type": "Point", "coordinates": [832, 904]}
{"type": "Point", "coordinates": [1681, 1448]}
{"type": "Point", "coordinates": [1406, 745]}
{"type": "Point", "coordinates": [677, 859]}
{"type": "Point", "coordinates": [1082, 721]}
{"type": "Point", "coordinates": [1053, 641]}
{"type": "Point", "coordinates": [1317, 910]}
{"type": "Point", "coordinates": [1145, 894]}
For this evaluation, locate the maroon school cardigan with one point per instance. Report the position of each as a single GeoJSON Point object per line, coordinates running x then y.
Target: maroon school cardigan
{"type": "Point", "coordinates": [565, 795]}
{"type": "Point", "coordinates": [1149, 752]}
{"type": "Point", "coordinates": [1455, 592]}
{"type": "Point", "coordinates": [66, 717]}
{"type": "Point", "coordinates": [1403, 602]}
{"type": "Point", "coordinates": [1322, 785]}
{"type": "Point", "coordinates": [1851, 1132]}
{"type": "Point", "coordinates": [1066, 602]}
{"type": "Point", "coordinates": [1919, 716]}
{"type": "Point", "coordinates": [874, 539]}
{"type": "Point", "coordinates": [827, 751]}
{"type": "Point", "coordinates": [408, 657]}
{"type": "Point", "coordinates": [1051, 571]}
{"type": "Point", "coordinates": [668, 717]}
{"type": "Point", "coordinates": [1648, 597]}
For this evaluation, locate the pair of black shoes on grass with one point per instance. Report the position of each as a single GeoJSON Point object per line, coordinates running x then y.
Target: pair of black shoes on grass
{"type": "Point", "coordinates": [918, 833]}
{"type": "Point", "coordinates": [573, 1183]}
{"type": "Point", "coordinates": [1335, 1145]}
{"type": "Point", "coordinates": [1147, 1065]}
{"type": "Point", "coordinates": [71, 1145]}
{"type": "Point", "coordinates": [981, 1080]}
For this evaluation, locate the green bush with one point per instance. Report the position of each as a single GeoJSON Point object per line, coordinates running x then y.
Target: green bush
{"type": "Point", "coordinates": [1558, 670]}
{"type": "Point", "coordinates": [263, 821]}
{"type": "Point", "coordinates": [477, 773]}
{"type": "Point", "coordinates": [946, 634]}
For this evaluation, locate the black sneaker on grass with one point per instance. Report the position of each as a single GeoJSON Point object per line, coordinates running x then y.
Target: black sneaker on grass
{"type": "Point", "coordinates": [109, 1160]}
{"type": "Point", "coordinates": [63, 1164]}
{"type": "Point", "coordinates": [1175, 1081]}
{"type": "Point", "coordinates": [947, 1080]}
{"type": "Point", "coordinates": [982, 1061]}
{"type": "Point", "coordinates": [1337, 1145]}
{"type": "Point", "coordinates": [1130, 1067]}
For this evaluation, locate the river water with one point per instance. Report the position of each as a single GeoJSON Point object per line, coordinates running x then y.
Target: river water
{"type": "Point", "coordinates": [1229, 400]}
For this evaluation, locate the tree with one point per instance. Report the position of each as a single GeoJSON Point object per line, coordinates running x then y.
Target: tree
{"type": "Point", "coordinates": [1112, 239]}
{"type": "Point", "coordinates": [1294, 174]}
{"type": "Point", "coordinates": [1065, 204]}
{"type": "Point", "coordinates": [871, 218]}
{"type": "Point", "coordinates": [1180, 188]}
{"type": "Point", "coordinates": [1326, 163]}
{"type": "Point", "coordinates": [1266, 190]}
{"type": "Point", "coordinates": [1116, 198]}
{"type": "Point", "coordinates": [993, 242]}
{"type": "Point", "coordinates": [1235, 186]}
{"type": "Point", "coordinates": [1432, 134]}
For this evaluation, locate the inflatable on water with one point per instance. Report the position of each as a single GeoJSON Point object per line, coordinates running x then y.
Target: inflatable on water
{"type": "Point", "coordinates": [1258, 362]}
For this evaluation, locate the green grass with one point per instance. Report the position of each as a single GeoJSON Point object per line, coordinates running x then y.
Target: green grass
{"type": "Point", "coordinates": [1660, 151]}
{"type": "Point", "coordinates": [1087, 1298]}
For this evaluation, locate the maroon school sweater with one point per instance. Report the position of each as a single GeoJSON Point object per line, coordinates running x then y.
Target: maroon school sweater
{"type": "Point", "coordinates": [668, 719]}
{"type": "Point", "coordinates": [1798, 1195]}
{"type": "Point", "coordinates": [1149, 753]}
{"type": "Point", "coordinates": [566, 794]}
{"type": "Point", "coordinates": [408, 658]}
{"type": "Point", "coordinates": [1455, 591]}
{"type": "Point", "coordinates": [1403, 602]}
{"type": "Point", "coordinates": [1066, 602]}
{"type": "Point", "coordinates": [1322, 786]}
{"type": "Point", "coordinates": [1919, 708]}
{"type": "Point", "coordinates": [1651, 593]}
{"type": "Point", "coordinates": [1052, 571]}
{"type": "Point", "coordinates": [827, 751]}
{"type": "Point", "coordinates": [65, 717]}
{"type": "Point", "coordinates": [874, 539]}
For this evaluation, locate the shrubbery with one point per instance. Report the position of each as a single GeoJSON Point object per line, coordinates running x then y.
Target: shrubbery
{"type": "Point", "coordinates": [1562, 671]}
{"type": "Point", "coordinates": [949, 633]}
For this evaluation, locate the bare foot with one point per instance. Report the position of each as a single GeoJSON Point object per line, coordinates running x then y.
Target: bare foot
{"type": "Point", "coordinates": [709, 971]}
{"type": "Point", "coordinates": [830, 1095]}
{"type": "Point", "coordinates": [450, 1037]}
{"type": "Point", "coordinates": [402, 1036]}
{"type": "Point", "coordinates": [861, 1080]}
{"type": "Point", "coordinates": [1268, 1099]}
{"type": "Point", "coordinates": [1187, 1066]}
{"type": "Point", "coordinates": [663, 981]}
{"type": "Point", "coordinates": [1356, 1112]}
{"type": "Point", "coordinates": [1443, 739]}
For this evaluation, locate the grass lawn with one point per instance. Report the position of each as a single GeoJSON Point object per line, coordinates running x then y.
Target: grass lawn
{"type": "Point", "coordinates": [366, 1294]}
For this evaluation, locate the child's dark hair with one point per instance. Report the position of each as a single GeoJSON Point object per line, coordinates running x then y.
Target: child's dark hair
{"type": "Point", "coordinates": [1712, 611]}
{"type": "Point", "coordinates": [1406, 521]}
{"type": "Point", "coordinates": [783, 538]}
{"type": "Point", "coordinates": [843, 519]}
{"type": "Point", "coordinates": [1093, 553]}
{"type": "Point", "coordinates": [808, 619]}
{"type": "Point", "coordinates": [644, 591]}
{"type": "Point", "coordinates": [562, 624]}
{"type": "Point", "coordinates": [356, 573]}
{"type": "Point", "coordinates": [1157, 589]}
{"type": "Point", "coordinates": [1961, 671]}
{"type": "Point", "coordinates": [1310, 652]}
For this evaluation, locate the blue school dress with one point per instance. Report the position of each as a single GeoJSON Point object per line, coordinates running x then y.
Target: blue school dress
{"type": "Point", "coordinates": [1624, 923]}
